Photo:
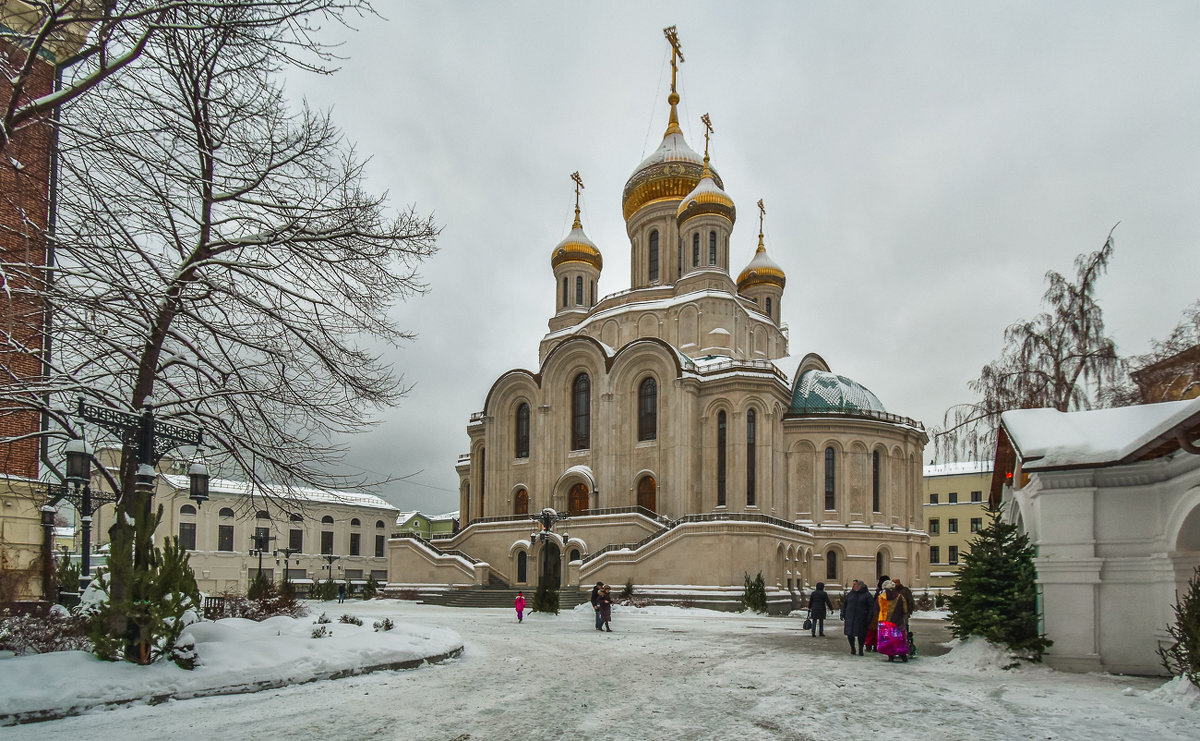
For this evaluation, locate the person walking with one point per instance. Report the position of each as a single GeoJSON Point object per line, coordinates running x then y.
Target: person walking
{"type": "Point", "coordinates": [817, 602]}
{"type": "Point", "coordinates": [519, 603]}
{"type": "Point", "coordinates": [857, 608]}
{"type": "Point", "coordinates": [605, 604]}
{"type": "Point", "coordinates": [892, 608]}
{"type": "Point", "coordinates": [909, 607]}
{"type": "Point", "coordinates": [596, 602]}
{"type": "Point", "coordinates": [341, 593]}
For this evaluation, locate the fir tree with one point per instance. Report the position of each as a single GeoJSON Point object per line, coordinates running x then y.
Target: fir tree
{"type": "Point", "coordinates": [545, 599]}
{"type": "Point", "coordinates": [1182, 658]}
{"type": "Point", "coordinates": [260, 587]}
{"type": "Point", "coordinates": [755, 595]}
{"type": "Point", "coordinates": [371, 588]}
{"type": "Point", "coordinates": [996, 596]}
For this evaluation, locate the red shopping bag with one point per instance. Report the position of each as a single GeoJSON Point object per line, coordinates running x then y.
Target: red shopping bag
{"type": "Point", "coordinates": [892, 641]}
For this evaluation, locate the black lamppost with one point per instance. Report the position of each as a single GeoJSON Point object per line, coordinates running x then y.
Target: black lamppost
{"type": "Point", "coordinates": [258, 546]}
{"type": "Point", "coordinates": [287, 552]}
{"type": "Point", "coordinates": [329, 559]}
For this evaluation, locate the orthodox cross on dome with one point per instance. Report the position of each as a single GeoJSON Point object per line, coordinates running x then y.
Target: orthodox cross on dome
{"type": "Point", "coordinates": [578, 187]}
{"type": "Point", "coordinates": [708, 130]}
{"type": "Point", "coordinates": [673, 98]}
{"type": "Point", "coordinates": [762, 211]}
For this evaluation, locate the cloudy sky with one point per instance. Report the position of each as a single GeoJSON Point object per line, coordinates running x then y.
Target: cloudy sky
{"type": "Point", "coordinates": [923, 166]}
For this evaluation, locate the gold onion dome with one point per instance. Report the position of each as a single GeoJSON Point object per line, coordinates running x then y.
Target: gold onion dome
{"type": "Point", "coordinates": [670, 173]}
{"type": "Point", "coordinates": [762, 270]}
{"type": "Point", "coordinates": [706, 198]}
{"type": "Point", "coordinates": [577, 248]}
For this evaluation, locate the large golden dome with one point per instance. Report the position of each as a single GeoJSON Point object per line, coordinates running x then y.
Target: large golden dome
{"type": "Point", "coordinates": [669, 174]}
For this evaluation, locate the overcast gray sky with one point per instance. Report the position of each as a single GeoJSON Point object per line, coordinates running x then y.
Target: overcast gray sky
{"type": "Point", "coordinates": [923, 166]}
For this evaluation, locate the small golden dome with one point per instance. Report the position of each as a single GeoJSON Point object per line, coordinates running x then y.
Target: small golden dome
{"type": "Point", "coordinates": [706, 198]}
{"type": "Point", "coordinates": [762, 270]}
{"type": "Point", "coordinates": [577, 248]}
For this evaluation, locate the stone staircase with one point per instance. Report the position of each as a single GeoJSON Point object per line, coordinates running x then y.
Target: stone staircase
{"type": "Point", "coordinates": [568, 598]}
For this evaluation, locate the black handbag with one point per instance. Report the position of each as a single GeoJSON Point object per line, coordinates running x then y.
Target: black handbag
{"type": "Point", "coordinates": [808, 623]}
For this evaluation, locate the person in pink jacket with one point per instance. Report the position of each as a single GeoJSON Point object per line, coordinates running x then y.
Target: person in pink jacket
{"type": "Point", "coordinates": [519, 603]}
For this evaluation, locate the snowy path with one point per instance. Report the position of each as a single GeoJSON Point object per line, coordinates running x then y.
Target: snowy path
{"type": "Point", "coordinates": [671, 676]}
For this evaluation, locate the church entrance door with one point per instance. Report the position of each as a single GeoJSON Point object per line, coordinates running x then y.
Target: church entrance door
{"type": "Point", "coordinates": [551, 571]}
{"type": "Point", "coordinates": [646, 493]}
{"type": "Point", "coordinates": [577, 499]}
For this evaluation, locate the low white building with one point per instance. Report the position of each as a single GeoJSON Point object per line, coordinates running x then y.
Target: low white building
{"type": "Point", "coordinates": [1111, 500]}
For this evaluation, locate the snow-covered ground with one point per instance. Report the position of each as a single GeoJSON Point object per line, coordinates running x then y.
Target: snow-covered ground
{"type": "Point", "coordinates": [664, 673]}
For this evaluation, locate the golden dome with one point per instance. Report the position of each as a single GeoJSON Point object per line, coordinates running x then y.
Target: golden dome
{"type": "Point", "coordinates": [762, 270]}
{"type": "Point", "coordinates": [706, 198]}
{"type": "Point", "coordinates": [577, 248]}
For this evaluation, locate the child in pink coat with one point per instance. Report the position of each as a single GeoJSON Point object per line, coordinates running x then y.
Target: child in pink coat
{"type": "Point", "coordinates": [519, 603]}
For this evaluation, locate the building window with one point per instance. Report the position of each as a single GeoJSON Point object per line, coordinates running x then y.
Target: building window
{"type": "Point", "coordinates": [224, 537]}
{"type": "Point", "coordinates": [296, 540]}
{"type": "Point", "coordinates": [653, 273]}
{"type": "Point", "coordinates": [521, 502]}
{"type": "Point", "coordinates": [875, 481]}
{"type": "Point", "coordinates": [831, 566]}
{"type": "Point", "coordinates": [679, 260]}
{"type": "Point", "coordinates": [933, 498]}
{"type": "Point", "coordinates": [830, 480]}
{"type": "Point", "coordinates": [574, 555]}
{"type": "Point", "coordinates": [565, 291]}
{"type": "Point", "coordinates": [577, 499]}
{"type": "Point", "coordinates": [695, 250]}
{"type": "Point", "coordinates": [935, 554]}
{"type": "Point", "coordinates": [225, 512]}
{"type": "Point", "coordinates": [482, 481]}
{"type": "Point", "coordinates": [976, 496]}
{"type": "Point", "coordinates": [581, 408]}
{"type": "Point", "coordinates": [187, 509]}
{"type": "Point", "coordinates": [355, 544]}
{"type": "Point", "coordinates": [952, 497]}
{"type": "Point", "coordinates": [579, 290]}
{"type": "Point", "coordinates": [976, 524]}
{"type": "Point", "coordinates": [355, 522]}
{"type": "Point", "coordinates": [296, 518]}
{"type": "Point", "coordinates": [522, 568]}
{"type": "Point", "coordinates": [647, 491]}
{"type": "Point", "coordinates": [935, 527]}
{"type": "Point", "coordinates": [523, 430]}
{"type": "Point", "coordinates": [712, 248]}
{"type": "Point", "coordinates": [262, 538]}
{"type": "Point", "coordinates": [750, 425]}
{"type": "Point", "coordinates": [879, 565]}
{"type": "Point", "coordinates": [648, 410]}
{"type": "Point", "coordinates": [187, 536]}
{"type": "Point", "coordinates": [769, 314]}
{"type": "Point", "coordinates": [721, 459]}
{"type": "Point", "coordinates": [327, 520]}
{"type": "Point", "coordinates": [953, 555]}
{"type": "Point", "coordinates": [952, 525]}
{"type": "Point", "coordinates": [380, 543]}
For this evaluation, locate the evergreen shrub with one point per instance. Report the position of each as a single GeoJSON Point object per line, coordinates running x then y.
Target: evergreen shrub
{"type": "Point", "coordinates": [1182, 658]}
{"type": "Point", "coordinates": [545, 599]}
{"type": "Point", "coordinates": [754, 597]}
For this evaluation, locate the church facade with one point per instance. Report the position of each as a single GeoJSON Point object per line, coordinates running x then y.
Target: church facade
{"type": "Point", "coordinates": [677, 443]}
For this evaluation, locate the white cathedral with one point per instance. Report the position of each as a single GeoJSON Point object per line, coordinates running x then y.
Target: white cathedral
{"type": "Point", "coordinates": [679, 445]}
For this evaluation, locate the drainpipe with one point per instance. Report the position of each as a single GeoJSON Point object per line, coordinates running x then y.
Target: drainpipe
{"type": "Point", "coordinates": [1187, 445]}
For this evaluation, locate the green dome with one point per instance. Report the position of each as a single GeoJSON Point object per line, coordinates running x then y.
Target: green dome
{"type": "Point", "coordinates": [822, 391]}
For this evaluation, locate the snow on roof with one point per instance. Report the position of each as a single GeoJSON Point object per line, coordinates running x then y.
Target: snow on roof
{"type": "Point", "coordinates": [447, 516]}
{"type": "Point", "coordinates": [1048, 438]}
{"type": "Point", "coordinates": [244, 488]}
{"type": "Point", "coordinates": [958, 468]}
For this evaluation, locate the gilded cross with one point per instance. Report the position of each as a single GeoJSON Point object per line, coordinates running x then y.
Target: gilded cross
{"type": "Point", "coordinates": [578, 187]}
{"type": "Point", "coordinates": [708, 130]}
{"type": "Point", "coordinates": [676, 52]}
{"type": "Point", "coordinates": [762, 211]}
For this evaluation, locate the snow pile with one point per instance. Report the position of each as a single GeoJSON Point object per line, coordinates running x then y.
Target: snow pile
{"type": "Point", "coordinates": [977, 655]}
{"type": "Point", "coordinates": [232, 653]}
{"type": "Point", "coordinates": [1179, 692]}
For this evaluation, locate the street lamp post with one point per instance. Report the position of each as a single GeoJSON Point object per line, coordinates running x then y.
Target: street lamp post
{"type": "Point", "coordinates": [287, 552]}
{"type": "Point", "coordinates": [259, 546]}
{"type": "Point", "coordinates": [329, 559]}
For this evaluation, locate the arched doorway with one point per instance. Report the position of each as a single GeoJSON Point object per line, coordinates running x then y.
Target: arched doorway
{"type": "Point", "coordinates": [577, 499]}
{"type": "Point", "coordinates": [551, 570]}
{"type": "Point", "coordinates": [646, 493]}
{"type": "Point", "coordinates": [521, 502]}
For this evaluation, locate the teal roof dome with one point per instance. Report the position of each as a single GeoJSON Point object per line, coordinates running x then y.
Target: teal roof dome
{"type": "Point", "coordinates": [822, 391]}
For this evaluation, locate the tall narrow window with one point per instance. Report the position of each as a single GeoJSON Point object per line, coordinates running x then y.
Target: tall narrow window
{"type": "Point", "coordinates": [721, 459]}
{"type": "Point", "coordinates": [879, 565]}
{"type": "Point", "coordinates": [830, 499]}
{"type": "Point", "coordinates": [224, 537]}
{"type": "Point", "coordinates": [653, 273]}
{"type": "Point", "coordinates": [380, 545]}
{"type": "Point", "coordinates": [695, 250]}
{"type": "Point", "coordinates": [750, 423]}
{"type": "Point", "coordinates": [679, 260]}
{"type": "Point", "coordinates": [565, 293]}
{"type": "Point", "coordinates": [712, 248]}
{"type": "Point", "coordinates": [581, 408]}
{"type": "Point", "coordinates": [522, 431]}
{"type": "Point", "coordinates": [592, 295]}
{"type": "Point", "coordinates": [482, 479]}
{"type": "Point", "coordinates": [648, 410]}
{"type": "Point", "coordinates": [521, 502]}
{"type": "Point", "coordinates": [831, 564]}
{"type": "Point", "coordinates": [577, 499]}
{"type": "Point", "coordinates": [646, 493]}
{"type": "Point", "coordinates": [326, 543]}
{"type": "Point", "coordinates": [187, 535]}
{"type": "Point", "coordinates": [769, 308]}
{"type": "Point", "coordinates": [522, 567]}
{"type": "Point", "coordinates": [875, 481]}
{"type": "Point", "coordinates": [355, 544]}
{"type": "Point", "coordinates": [579, 290]}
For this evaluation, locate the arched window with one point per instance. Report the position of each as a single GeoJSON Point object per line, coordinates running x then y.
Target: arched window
{"type": "Point", "coordinates": [577, 499]}
{"type": "Point", "coordinates": [696, 250]}
{"type": "Point", "coordinates": [769, 308]}
{"type": "Point", "coordinates": [482, 481]}
{"type": "Point", "coordinates": [225, 512]}
{"type": "Point", "coordinates": [522, 431]}
{"type": "Point", "coordinates": [579, 290]}
{"type": "Point", "coordinates": [262, 514]}
{"type": "Point", "coordinates": [831, 566]}
{"type": "Point", "coordinates": [565, 293]}
{"type": "Point", "coordinates": [712, 248]}
{"type": "Point", "coordinates": [581, 408]}
{"type": "Point", "coordinates": [679, 259]}
{"type": "Point", "coordinates": [653, 272]}
{"type": "Point", "coordinates": [646, 493]}
{"type": "Point", "coordinates": [593, 294]}
{"type": "Point", "coordinates": [750, 424]}
{"type": "Point", "coordinates": [327, 520]}
{"type": "Point", "coordinates": [522, 566]}
{"type": "Point", "coordinates": [878, 565]}
{"type": "Point", "coordinates": [296, 518]}
{"type": "Point", "coordinates": [521, 502]}
{"type": "Point", "coordinates": [355, 522]}
{"type": "Point", "coordinates": [721, 459]}
{"type": "Point", "coordinates": [575, 556]}
{"type": "Point", "coordinates": [648, 410]}
{"type": "Point", "coordinates": [187, 509]}
{"type": "Point", "coordinates": [875, 481]}
{"type": "Point", "coordinates": [379, 524]}
{"type": "Point", "coordinates": [830, 499]}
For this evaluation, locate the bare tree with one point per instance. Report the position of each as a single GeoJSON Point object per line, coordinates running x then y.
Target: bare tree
{"type": "Point", "coordinates": [1061, 359]}
{"type": "Point", "coordinates": [1181, 375]}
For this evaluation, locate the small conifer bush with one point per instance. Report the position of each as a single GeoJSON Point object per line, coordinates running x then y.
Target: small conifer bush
{"type": "Point", "coordinates": [1182, 658]}
{"type": "Point", "coordinates": [754, 597]}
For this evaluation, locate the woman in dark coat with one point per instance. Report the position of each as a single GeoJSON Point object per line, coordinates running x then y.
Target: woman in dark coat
{"type": "Point", "coordinates": [604, 600]}
{"type": "Point", "coordinates": [857, 608]}
{"type": "Point", "coordinates": [817, 602]}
